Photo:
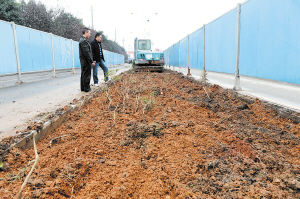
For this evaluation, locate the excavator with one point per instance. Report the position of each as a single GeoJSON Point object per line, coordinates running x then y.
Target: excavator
{"type": "Point", "coordinates": [145, 60]}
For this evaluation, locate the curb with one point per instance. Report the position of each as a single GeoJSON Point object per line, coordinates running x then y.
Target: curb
{"type": "Point", "coordinates": [50, 125]}
{"type": "Point", "coordinates": [60, 116]}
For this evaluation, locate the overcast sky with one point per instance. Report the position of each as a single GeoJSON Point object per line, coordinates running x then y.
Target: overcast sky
{"type": "Point", "coordinates": [163, 21]}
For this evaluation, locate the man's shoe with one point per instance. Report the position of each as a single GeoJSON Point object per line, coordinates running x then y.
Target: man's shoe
{"type": "Point", "coordinates": [96, 84]}
{"type": "Point", "coordinates": [87, 90]}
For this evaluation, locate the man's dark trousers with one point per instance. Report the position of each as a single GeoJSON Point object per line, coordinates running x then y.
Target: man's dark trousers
{"type": "Point", "coordinates": [86, 59]}
{"type": "Point", "coordinates": [85, 77]}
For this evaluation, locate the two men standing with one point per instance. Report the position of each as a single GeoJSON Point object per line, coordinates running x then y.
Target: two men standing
{"type": "Point", "coordinates": [91, 55]}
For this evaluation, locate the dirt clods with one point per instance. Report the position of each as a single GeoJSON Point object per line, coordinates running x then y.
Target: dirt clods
{"type": "Point", "coordinates": [150, 135]}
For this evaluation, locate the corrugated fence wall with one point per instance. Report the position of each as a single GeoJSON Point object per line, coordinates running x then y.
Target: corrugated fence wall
{"type": "Point", "coordinates": [269, 42]}
{"type": "Point", "coordinates": [40, 51]}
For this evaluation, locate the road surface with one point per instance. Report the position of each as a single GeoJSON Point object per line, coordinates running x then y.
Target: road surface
{"type": "Point", "coordinates": [21, 104]}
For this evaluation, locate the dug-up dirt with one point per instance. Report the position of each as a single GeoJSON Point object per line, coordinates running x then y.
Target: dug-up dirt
{"type": "Point", "coordinates": [163, 135]}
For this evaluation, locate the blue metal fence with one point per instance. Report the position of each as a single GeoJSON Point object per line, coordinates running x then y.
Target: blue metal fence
{"type": "Point", "coordinates": [196, 49]}
{"type": "Point", "coordinates": [40, 51]}
{"type": "Point", "coordinates": [62, 52]}
{"type": "Point", "coordinates": [183, 52]}
{"type": "Point", "coordinates": [34, 49]}
{"type": "Point", "coordinates": [220, 43]}
{"type": "Point", "coordinates": [7, 49]}
{"type": "Point", "coordinates": [269, 42]}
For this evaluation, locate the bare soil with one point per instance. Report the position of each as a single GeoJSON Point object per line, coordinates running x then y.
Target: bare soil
{"type": "Point", "coordinates": [162, 135]}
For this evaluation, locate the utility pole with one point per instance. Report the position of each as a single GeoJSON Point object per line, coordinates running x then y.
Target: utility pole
{"type": "Point", "coordinates": [92, 13]}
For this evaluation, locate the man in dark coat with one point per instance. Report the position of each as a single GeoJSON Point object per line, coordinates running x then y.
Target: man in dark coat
{"type": "Point", "coordinates": [98, 56]}
{"type": "Point", "coordinates": [86, 60]}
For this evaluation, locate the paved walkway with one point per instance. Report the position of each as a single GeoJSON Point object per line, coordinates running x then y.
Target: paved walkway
{"type": "Point", "coordinates": [21, 104]}
{"type": "Point", "coordinates": [283, 94]}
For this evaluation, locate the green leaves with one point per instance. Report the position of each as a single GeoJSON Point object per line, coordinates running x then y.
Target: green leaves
{"type": "Point", "coordinates": [10, 11]}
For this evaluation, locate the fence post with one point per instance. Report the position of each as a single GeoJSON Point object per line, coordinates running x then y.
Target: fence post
{"type": "Point", "coordinates": [111, 59]}
{"type": "Point", "coordinates": [204, 70]}
{"type": "Point", "coordinates": [169, 58]}
{"type": "Point", "coordinates": [73, 61]}
{"type": "Point", "coordinates": [13, 25]}
{"type": "Point", "coordinates": [173, 58]}
{"type": "Point", "coordinates": [188, 55]}
{"type": "Point", "coordinates": [237, 85]}
{"type": "Point", "coordinates": [179, 56]}
{"type": "Point", "coordinates": [53, 56]}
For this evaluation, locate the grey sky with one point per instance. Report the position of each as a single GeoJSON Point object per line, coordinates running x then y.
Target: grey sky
{"type": "Point", "coordinates": [169, 20]}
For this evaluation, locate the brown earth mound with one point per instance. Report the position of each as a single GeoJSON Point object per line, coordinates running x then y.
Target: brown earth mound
{"type": "Point", "coordinates": [152, 135]}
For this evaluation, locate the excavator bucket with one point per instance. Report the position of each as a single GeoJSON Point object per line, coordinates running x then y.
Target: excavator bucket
{"type": "Point", "coordinates": [148, 68]}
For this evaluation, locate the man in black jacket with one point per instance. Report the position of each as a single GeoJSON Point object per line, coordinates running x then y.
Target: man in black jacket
{"type": "Point", "coordinates": [86, 60]}
{"type": "Point", "coordinates": [98, 56]}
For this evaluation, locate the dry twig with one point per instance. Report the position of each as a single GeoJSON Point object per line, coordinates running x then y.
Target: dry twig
{"type": "Point", "coordinates": [19, 195]}
{"type": "Point", "coordinates": [206, 93]}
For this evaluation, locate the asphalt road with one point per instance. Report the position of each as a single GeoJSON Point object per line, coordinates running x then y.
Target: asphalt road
{"type": "Point", "coordinates": [40, 94]}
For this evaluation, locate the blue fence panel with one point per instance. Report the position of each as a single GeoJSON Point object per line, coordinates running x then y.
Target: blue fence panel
{"type": "Point", "coordinates": [121, 59]}
{"type": "Point", "coordinates": [183, 52]}
{"type": "Point", "coordinates": [114, 58]}
{"type": "Point", "coordinates": [76, 54]}
{"type": "Point", "coordinates": [166, 56]}
{"type": "Point", "coordinates": [175, 53]}
{"type": "Point", "coordinates": [110, 58]}
{"type": "Point", "coordinates": [196, 49]}
{"type": "Point", "coordinates": [62, 52]}
{"type": "Point", "coordinates": [34, 49]}
{"type": "Point", "coordinates": [171, 55]}
{"type": "Point", "coordinates": [105, 57]}
{"type": "Point", "coordinates": [270, 42]}
{"type": "Point", "coordinates": [8, 63]}
{"type": "Point", "coordinates": [220, 43]}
